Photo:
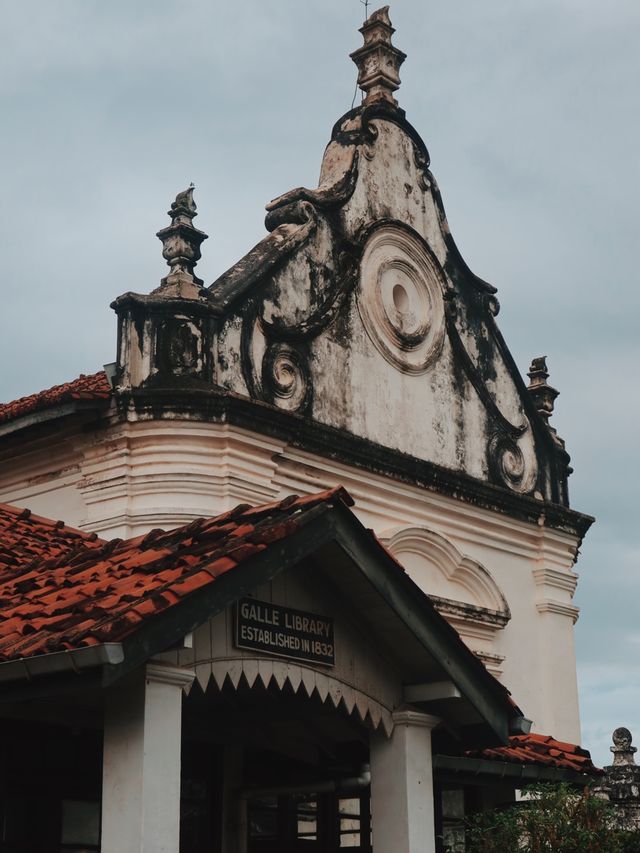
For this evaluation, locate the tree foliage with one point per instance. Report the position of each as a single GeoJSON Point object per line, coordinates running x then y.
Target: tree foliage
{"type": "Point", "coordinates": [552, 819]}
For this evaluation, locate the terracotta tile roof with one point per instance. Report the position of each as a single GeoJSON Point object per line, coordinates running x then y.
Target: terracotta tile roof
{"type": "Point", "coordinates": [93, 387]}
{"type": "Point", "coordinates": [62, 589]}
{"type": "Point", "coordinates": [541, 750]}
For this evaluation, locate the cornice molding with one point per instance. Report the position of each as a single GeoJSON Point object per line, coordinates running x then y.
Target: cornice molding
{"type": "Point", "coordinates": [559, 608]}
{"type": "Point", "coordinates": [556, 579]}
{"type": "Point", "coordinates": [218, 405]}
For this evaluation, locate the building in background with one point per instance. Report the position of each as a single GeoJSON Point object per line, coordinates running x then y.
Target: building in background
{"type": "Point", "coordinates": [352, 346]}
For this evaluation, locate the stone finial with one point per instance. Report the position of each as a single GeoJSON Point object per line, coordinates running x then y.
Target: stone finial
{"type": "Point", "coordinates": [181, 247]}
{"type": "Point", "coordinates": [620, 783]}
{"type": "Point", "coordinates": [622, 750]}
{"type": "Point", "coordinates": [378, 60]}
{"type": "Point", "coordinates": [543, 394]}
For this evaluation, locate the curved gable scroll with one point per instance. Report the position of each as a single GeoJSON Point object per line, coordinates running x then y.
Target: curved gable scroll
{"type": "Point", "coordinates": [461, 588]}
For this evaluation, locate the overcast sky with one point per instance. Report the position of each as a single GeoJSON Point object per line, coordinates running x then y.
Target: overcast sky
{"type": "Point", "coordinates": [530, 110]}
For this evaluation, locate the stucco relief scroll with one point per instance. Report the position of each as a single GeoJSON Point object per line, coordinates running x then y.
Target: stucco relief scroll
{"type": "Point", "coordinates": [480, 352]}
{"type": "Point", "coordinates": [400, 299]}
{"type": "Point", "coordinates": [300, 300]}
{"type": "Point", "coordinates": [510, 465]}
{"type": "Point", "coordinates": [285, 375]}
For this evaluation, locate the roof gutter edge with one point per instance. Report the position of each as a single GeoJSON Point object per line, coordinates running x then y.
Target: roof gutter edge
{"type": "Point", "coordinates": [75, 660]}
{"type": "Point", "coordinates": [49, 413]}
{"type": "Point", "coordinates": [524, 772]}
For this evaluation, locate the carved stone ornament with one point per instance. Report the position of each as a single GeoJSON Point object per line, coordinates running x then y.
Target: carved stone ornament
{"type": "Point", "coordinates": [179, 347]}
{"type": "Point", "coordinates": [543, 394]}
{"type": "Point", "coordinates": [181, 246]}
{"type": "Point", "coordinates": [622, 750]}
{"type": "Point", "coordinates": [285, 377]}
{"type": "Point", "coordinates": [400, 299]}
{"type": "Point", "coordinates": [510, 465]}
{"type": "Point", "coordinates": [620, 783]}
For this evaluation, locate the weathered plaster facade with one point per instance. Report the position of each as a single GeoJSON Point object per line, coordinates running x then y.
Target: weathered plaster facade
{"type": "Point", "coordinates": [505, 583]}
{"type": "Point", "coordinates": [352, 345]}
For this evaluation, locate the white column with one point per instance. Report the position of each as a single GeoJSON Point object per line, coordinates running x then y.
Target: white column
{"type": "Point", "coordinates": [141, 761]}
{"type": "Point", "coordinates": [402, 786]}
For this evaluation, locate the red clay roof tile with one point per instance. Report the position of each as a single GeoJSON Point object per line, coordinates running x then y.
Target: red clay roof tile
{"type": "Point", "coordinates": [93, 387]}
{"type": "Point", "coordinates": [221, 565]}
{"type": "Point", "coordinates": [61, 588]}
{"type": "Point", "coordinates": [542, 750]}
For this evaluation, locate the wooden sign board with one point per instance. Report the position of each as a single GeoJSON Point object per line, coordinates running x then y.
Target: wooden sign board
{"type": "Point", "coordinates": [285, 632]}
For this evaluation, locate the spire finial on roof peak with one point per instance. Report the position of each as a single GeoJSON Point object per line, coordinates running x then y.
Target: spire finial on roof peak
{"type": "Point", "coordinates": [378, 60]}
{"type": "Point", "coordinates": [181, 242]}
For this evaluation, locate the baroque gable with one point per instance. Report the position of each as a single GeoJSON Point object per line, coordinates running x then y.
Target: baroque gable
{"type": "Point", "coordinates": [356, 311]}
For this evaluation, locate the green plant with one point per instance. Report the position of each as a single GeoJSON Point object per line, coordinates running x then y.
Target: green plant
{"type": "Point", "coordinates": [630, 842]}
{"type": "Point", "coordinates": [552, 819]}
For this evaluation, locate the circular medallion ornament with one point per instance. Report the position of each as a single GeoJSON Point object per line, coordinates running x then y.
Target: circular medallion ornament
{"type": "Point", "coordinates": [400, 299]}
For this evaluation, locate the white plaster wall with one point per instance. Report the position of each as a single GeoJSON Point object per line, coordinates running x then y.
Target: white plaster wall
{"type": "Point", "coordinates": [423, 415]}
{"type": "Point", "coordinates": [376, 196]}
{"type": "Point", "coordinates": [538, 670]}
{"type": "Point", "coordinates": [44, 475]}
{"type": "Point", "coordinates": [139, 475]}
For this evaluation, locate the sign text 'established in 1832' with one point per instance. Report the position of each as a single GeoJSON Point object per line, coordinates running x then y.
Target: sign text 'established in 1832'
{"type": "Point", "coordinates": [284, 632]}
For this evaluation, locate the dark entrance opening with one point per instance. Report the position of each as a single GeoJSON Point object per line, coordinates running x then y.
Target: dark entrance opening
{"type": "Point", "coordinates": [50, 788]}
{"type": "Point", "coordinates": [309, 822]}
{"type": "Point", "coordinates": [273, 770]}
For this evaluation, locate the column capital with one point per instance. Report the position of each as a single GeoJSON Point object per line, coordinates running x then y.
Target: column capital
{"type": "Point", "coordinates": [166, 673]}
{"type": "Point", "coordinates": [411, 717]}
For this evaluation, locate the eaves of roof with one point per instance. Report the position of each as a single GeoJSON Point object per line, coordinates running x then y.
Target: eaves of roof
{"type": "Point", "coordinates": [525, 759]}
{"type": "Point", "coordinates": [145, 594]}
{"type": "Point", "coordinates": [465, 770]}
{"type": "Point", "coordinates": [82, 393]}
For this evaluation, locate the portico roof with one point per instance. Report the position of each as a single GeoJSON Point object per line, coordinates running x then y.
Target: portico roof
{"type": "Point", "coordinates": [74, 604]}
